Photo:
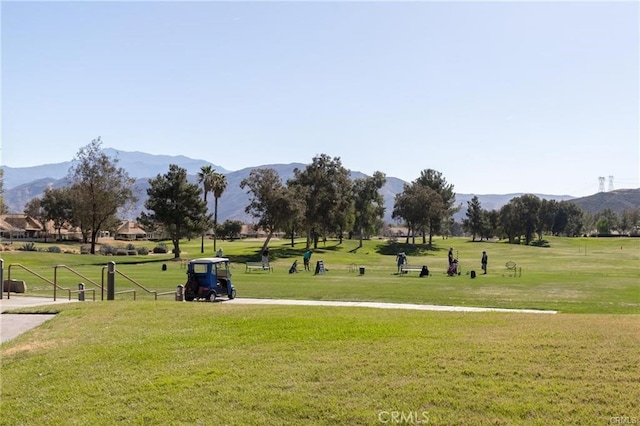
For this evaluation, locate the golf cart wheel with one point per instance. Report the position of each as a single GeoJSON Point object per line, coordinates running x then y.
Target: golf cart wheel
{"type": "Point", "coordinates": [232, 295]}
{"type": "Point", "coordinates": [189, 297]}
{"type": "Point", "coordinates": [212, 297]}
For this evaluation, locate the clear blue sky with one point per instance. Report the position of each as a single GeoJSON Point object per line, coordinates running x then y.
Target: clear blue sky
{"type": "Point", "coordinates": [500, 97]}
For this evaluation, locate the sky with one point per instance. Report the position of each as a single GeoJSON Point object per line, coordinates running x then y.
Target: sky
{"type": "Point", "coordinates": [499, 97]}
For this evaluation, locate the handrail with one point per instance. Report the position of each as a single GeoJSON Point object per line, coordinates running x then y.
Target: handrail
{"type": "Point", "coordinates": [92, 290]}
{"type": "Point", "coordinates": [155, 293]}
{"type": "Point", "coordinates": [55, 285]}
{"type": "Point", "coordinates": [127, 291]}
{"type": "Point", "coordinates": [55, 276]}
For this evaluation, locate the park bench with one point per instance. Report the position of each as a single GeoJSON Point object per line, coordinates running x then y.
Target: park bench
{"type": "Point", "coordinates": [259, 266]}
{"type": "Point", "coordinates": [404, 269]}
{"type": "Point", "coordinates": [513, 269]}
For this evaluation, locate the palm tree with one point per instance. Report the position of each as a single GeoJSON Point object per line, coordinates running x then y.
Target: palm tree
{"type": "Point", "coordinates": [206, 177]}
{"type": "Point", "coordinates": [218, 186]}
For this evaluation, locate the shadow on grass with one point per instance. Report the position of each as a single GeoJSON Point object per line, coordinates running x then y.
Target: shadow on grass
{"type": "Point", "coordinates": [394, 247]}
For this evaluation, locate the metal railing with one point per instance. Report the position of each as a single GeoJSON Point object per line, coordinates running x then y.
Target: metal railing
{"type": "Point", "coordinates": [53, 283]}
{"type": "Point", "coordinates": [155, 293]}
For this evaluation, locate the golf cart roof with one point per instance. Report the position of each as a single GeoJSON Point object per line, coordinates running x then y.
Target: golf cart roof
{"type": "Point", "coordinates": [210, 260]}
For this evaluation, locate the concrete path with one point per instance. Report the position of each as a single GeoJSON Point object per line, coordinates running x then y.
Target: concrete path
{"type": "Point", "coordinates": [384, 305]}
{"type": "Point", "coordinates": [12, 325]}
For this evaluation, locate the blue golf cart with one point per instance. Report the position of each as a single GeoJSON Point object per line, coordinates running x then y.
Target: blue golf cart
{"type": "Point", "coordinates": [209, 278]}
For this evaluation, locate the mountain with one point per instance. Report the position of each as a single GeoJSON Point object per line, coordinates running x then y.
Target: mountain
{"type": "Point", "coordinates": [617, 200]}
{"type": "Point", "coordinates": [23, 184]}
{"type": "Point", "coordinates": [137, 164]}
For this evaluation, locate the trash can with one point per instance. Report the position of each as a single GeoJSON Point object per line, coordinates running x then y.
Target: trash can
{"type": "Point", "coordinates": [362, 270]}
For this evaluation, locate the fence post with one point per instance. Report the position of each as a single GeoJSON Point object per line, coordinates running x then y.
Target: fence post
{"type": "Point", "coordinates": [111, 280]}
{"type": "Point", "coordinates": [180, 293]}
{"type": "Point", "coordinates": [81, 292]}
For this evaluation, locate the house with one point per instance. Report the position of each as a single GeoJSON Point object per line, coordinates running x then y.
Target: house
{"type": "Point", "coordinates": [130, 231]}
{"type": "Point", "coordinates": [20, 227]}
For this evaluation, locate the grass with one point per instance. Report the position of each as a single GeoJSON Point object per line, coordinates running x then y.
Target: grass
{"type": "Point", "coordinates": [146, 362]}
{"type": "Point", "coordinates": [581, 275]}
{"type": "Point", "coordinates": [162, 362]}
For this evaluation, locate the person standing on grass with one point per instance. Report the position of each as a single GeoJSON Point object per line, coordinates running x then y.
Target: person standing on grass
{"type": "Point", "coordinates": [401, 258]}
{"type": "Point", "coordinates": [484, 261]}
{"type": "Point", "coordinates": [306, 257]}
{"type": "Point", "coordinates": [450, 256]}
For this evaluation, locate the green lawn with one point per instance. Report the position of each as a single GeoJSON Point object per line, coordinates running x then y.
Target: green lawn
{"type": "Point", "coordinates": [163, 362]}
{"type": "Point", "coordinates": [148, 362]}
{"type": "Point", "coordinates": [582, 275]}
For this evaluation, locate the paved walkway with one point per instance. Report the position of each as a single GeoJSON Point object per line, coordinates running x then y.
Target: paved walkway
{"type": "Point", "coordinates": [12, 325]}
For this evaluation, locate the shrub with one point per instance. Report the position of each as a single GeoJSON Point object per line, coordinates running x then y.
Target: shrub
{"type": "Point", "coordinates": [54, 249]}
{"type": "Point", "coordinates": [86, 249]}
{"type": "Point", "coordinates": [130, 246]}
{"type": "Point", "coordinates": [132, 252]}
{"type": "Point", "coordinates": [540, 243]}
{"type": "Point", "coordinates": [28, 246]}
{"type": "Point", "coordinates": [106, 249]}
{"type": "Point", "coordinates": [160, 248]}
{"type": "Point", "coordinates": [121, 252]}
{"type": "Point", "coordinates": [142, 250]}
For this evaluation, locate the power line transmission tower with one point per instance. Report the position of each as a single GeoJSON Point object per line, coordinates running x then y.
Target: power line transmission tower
{"type": "Point", "coordinates": [610, 183]}
{"type": "Point", "coordinates": [601, 183]}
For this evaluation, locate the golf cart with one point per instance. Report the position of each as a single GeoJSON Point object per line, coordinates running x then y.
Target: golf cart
{"type": "Point", "coordinates": [208, 278]}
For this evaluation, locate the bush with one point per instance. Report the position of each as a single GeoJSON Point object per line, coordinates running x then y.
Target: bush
{"type": "Point", "coordinates": [130, 246]}
{"type": "Point", "coordinates": [121, 252]}
{"type": "Point", "coordinates": [540, 243]}
{"type": "Point", "coordinates": [29, 246]}
{"type": "Point", "coordinates": [106, 249]}
{"type": "Point", "coordinates": [54, 249]}
{"type": "Point", "coordinates": [160, 248]}
{"type": "Point", "coordinates": [142, 250]}
{"type": "Point", "coordinates": [86, 249]}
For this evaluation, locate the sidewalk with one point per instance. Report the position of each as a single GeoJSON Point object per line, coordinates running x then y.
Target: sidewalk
{"type": "Point", "coordinates": [13, 325]}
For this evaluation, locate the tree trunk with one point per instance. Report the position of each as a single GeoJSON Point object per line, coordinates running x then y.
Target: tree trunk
{"type": "Point", "coordinates": [215, 222]}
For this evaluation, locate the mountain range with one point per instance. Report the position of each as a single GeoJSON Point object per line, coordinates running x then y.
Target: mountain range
{"type": "Point", "coordinates": [21, 184]}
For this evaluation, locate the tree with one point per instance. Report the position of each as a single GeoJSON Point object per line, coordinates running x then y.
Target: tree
{"type": "Point", "coordinates": [57, 204]}
{"type": "Point", "coordinates": [34, 209]}
{"type": "Point", "coordinates": [230, 229]}
{"type": "Point", "coordinates": [368, 203]}
{"type": "Point", "coordinates": [269, 201]}
{"type": "Point", "coordinates": [574, 219]}
{"type": "Point", "coordinates": [219, 185]}
{"type": "Point", "coordinates": [527, 208]}
{"type": "Point", "coordinates": [3, 206]}
{"type": "Point", "coordinates": [416, 204]}
{"type": "Point", "coordinates": [610, 218]}
{"type": "Point", "coordinates": [328, 190]}
{"type": "Point", "coordinates": [175, 204]}
{"type": "Point", "coordinates": [434, 180]}
{"type": "Point", "coordinates": [100, 188]}
{"type": "Point", "coordinates": [205, 177]}
{"type": "Point", "coordinates": [474, 221]}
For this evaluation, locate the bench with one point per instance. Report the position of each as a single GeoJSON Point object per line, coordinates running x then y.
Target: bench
{"type": "Point", "coordinates": [259, 266]}
{"type": "Point", "coordinates": [410, 268]}
{"type": "Point", "coordinates": [513, 269]}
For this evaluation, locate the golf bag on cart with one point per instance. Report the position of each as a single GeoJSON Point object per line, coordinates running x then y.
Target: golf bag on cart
{"type": "Point", "coordinates": [453, 268]}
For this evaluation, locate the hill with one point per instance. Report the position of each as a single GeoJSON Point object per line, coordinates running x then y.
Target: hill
{"type": "Point", "coordinates": [23, 184]}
